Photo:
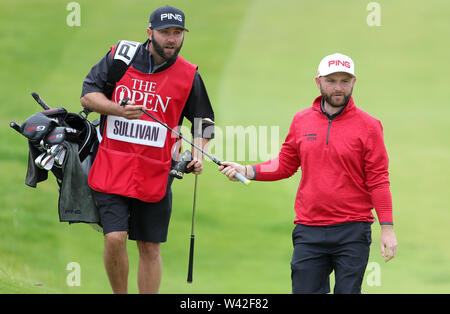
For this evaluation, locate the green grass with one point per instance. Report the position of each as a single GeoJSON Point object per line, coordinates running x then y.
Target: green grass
{"type": "Point", "coordinates": [258, 60]}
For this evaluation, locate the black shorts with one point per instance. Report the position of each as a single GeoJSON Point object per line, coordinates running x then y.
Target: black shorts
{"type": "Point", "coordinates": [143, 221]}
{"type": "Point", "coordinates": [319, 250]}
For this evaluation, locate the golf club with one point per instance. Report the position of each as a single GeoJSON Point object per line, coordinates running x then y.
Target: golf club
{"type": "Point", "coordinates": [55, 149]}
{"type": "Point", "coordinates": [191, 247]}
{"type": "Point", "coordinates": [47, 162]}
{"type": "Point", "coordinates": [38, 160]}
{"type": "Point", "coordinates": [238, 176]}
{"type": "Point", "coordinates": [40, 101]}
{"type": "Point", "coordinates": [43, 146]}
{"type": "Point", "coordinates": [56, 136]}
{"type": "Point", "coordinates": [15, 126]}
{"type": "Point", "coordinates": [59, 158]}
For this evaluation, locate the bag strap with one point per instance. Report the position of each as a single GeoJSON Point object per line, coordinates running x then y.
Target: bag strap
{"type": "Point", "coordinates": [124, 55]}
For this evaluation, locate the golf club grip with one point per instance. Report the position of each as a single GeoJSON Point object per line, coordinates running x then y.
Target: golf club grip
{"type": "Point", "coordinates": [238, 176]}
{"type": "Point", "coordinates": [241, 178]}
{"type": "Point", "coordinates": [191, 260]}
{"type": "Point", "coordinates": [40, 101]}
{"type": "Point", "coordinates": [15, 126]}
{"type": "Point", "coordinates": [124, 101]}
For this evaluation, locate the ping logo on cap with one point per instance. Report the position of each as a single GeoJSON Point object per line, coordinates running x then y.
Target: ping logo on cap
{"type": "Point", "coordinates": [171, 16]}
{"type": "Point", "coordinates": [339, 63]}
{"type": "Point", "coordinates": [336, 62]}
{"type": "Point", "coordinates": [166, 17]}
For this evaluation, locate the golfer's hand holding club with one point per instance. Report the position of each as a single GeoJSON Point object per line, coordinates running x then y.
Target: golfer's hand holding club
{"type": "Point", "coordinates": [230, 169]}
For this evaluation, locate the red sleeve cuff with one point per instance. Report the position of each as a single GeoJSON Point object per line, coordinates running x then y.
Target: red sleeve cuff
{"type": "Point", "coordinates": [382, 201]}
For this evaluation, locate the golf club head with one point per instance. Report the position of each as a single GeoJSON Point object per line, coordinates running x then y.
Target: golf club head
{"type": "Point", "coordinates": [47, 162]}
{"type": "Point", "coordinates": [59, 158]}
{"type": "Point", "coordinates": [37, 126]}
{"type": "Point", "coordinates": [55, 149]}
{"type": "Point", "coordinates": [55, 112]}
{"type": "Point", "coordinates": [208, 121]}
{"type": "Point", "coordinates": [56, 136]}
{"type": "Point", "coordinates": [38, 160]}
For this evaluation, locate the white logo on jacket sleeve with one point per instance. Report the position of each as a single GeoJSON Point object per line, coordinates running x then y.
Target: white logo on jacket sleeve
{"type": "Point", "coordinates": [136, 131]}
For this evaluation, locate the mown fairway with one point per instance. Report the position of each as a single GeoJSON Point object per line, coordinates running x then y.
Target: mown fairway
{"type": "Point", "coordinates": [258, 60]}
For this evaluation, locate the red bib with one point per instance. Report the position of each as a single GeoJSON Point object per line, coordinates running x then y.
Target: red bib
{"type": "Point", "coordinates": [134, 157]}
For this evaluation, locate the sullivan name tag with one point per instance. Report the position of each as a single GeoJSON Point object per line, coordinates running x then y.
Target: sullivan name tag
{"type": "Point", "coordinates": [136, 131]}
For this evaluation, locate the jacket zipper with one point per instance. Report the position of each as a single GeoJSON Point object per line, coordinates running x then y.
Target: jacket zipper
{"type": "Point", "coordinates": [330, 119]}
{"type": "Point", "coordinates": [329, 127]}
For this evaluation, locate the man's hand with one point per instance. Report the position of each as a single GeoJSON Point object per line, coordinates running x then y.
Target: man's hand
{"type": "Point", "coordinates": [388, 242]}
{"type": "Point", "coordinates": [196, 166]}
{"type": "Point", "coordinates": [131, 111]}
{"type": "Point", "coordinates": [230, 168]}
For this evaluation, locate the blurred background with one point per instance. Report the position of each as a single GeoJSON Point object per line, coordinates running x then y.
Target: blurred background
{"type": "Point", "coordinates": [258, 59]}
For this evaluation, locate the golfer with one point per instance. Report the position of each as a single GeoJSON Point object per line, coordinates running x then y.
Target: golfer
{"type": "Point", "coordinates": [341, 152]}
{"type": "Point", "coordinates": [130, 174]}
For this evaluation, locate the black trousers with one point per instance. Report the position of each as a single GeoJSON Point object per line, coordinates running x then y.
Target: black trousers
{"type": "Point", "coordinates": [318, 250]}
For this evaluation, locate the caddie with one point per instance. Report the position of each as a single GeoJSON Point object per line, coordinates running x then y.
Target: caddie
{"type": "Point", "coordinates": [130, 174]}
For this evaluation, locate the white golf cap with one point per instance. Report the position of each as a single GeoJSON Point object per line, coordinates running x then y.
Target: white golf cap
{"type": "Point", "coordinates": [336, 63]}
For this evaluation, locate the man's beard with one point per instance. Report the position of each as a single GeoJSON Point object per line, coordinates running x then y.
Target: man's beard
{"type": "Point", "coordinates": [160, 50]}
{"type": "Point", "coordinates": [328, 98]}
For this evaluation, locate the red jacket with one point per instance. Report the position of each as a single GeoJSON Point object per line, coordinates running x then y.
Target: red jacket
{"type": "Point", "coordinates": [344, 166]}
